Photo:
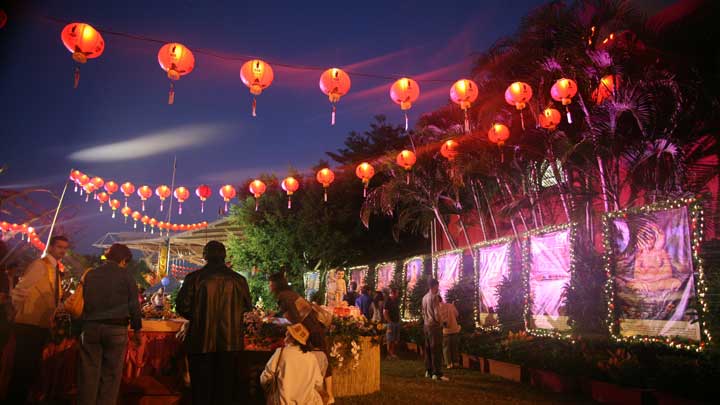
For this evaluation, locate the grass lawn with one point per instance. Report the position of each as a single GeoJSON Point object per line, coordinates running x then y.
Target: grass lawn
{"type": "Point", "coordinates": [404, 382]}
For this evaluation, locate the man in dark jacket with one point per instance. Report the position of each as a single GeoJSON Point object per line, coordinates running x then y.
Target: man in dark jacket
{"type": "Point", "coordinates": [214, 299]}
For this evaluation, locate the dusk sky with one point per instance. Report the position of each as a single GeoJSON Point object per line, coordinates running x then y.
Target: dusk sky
{"type": "Point", "coordinates": [49, 128]}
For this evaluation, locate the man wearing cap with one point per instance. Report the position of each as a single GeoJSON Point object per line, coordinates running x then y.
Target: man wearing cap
{"type": "Point", "coordinates": [214, 300]}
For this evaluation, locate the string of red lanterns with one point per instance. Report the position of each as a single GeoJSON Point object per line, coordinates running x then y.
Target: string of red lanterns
{"type": "Point", "coordinates": [26, 233]}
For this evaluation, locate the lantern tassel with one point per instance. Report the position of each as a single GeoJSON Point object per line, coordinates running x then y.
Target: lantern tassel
{"type": "Point", "coordinates": [180, 209]}
{"type": "Point", "coordinates": [161, 205]}
{"type": "Point", "coordinates": [113, 215]}
{"type": "Point", "coordinates": [226, 207]}
{"type": "Point", "coordinates": [365, 191]}
{"type": "Point", "coordinates": [522, 120]}
{"type": "Point", "coordinates": [202, 207]}
{"type": "Point", "coordinates": [125, 219]}
{"type": "Point", "coordinates": [87, 197]}
{"type": "Point", "coordinates": [76, 188]}
{"type": "Point", "coordinates": [332, 119]}
{"type": "Point", "coordinates": [171, 94]}
{"type": "Point", "coordinates": [257, 204]}
{"type": "Point", "coordinates": [144, 228]}
{"type": "Point", "coordinates": [143, 205]}
{"type": "Point", "coordinates": [100, 207]}
{"type": "Point", "coordinates": [569, 116]}
{"type": "Point", "coordinates": [467, 122]}
{"type": "Point", "coordinates": [81, 191]}
{"type": "Point", "coordinates": [126, 202]}
{"type": "Point", "coordinates": [325, 196]}
{"type": "Point", "coordinates": [289, 202]}
{"type": "Point", "coordinates": [407, 178]}
{"type": "Point", "coordinates": [76, 76]}
{"type": "Point", "coordinates": [135, 225]}
{"type": "Point", "coordinates": [254, 107]}
{"type": "Point", "coordinates": [152, 230]}
{"type": "Point", "coordinates": [406, 122]}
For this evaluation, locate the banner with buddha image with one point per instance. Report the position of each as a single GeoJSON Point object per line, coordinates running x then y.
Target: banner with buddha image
{"type": "Point", "coordinates": [548, 277]}
{"type": "Point", "coordinates": [358, 274]}
{"type": "Point", "coordinates": [493, 264]}
{"type": "Point", "coordinates": [312, 283]}
{"type": "Point", "coordinates": [654, 281]}
{"type": "Point", "coordinates": [414, 269]}
{"type": "Point", "coordinates": [447, 271]}
{"type": "Point", "coordinates": [384, 273]}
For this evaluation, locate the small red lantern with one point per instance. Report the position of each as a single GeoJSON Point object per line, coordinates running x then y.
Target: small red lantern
{"type": "Point", "coordinates": [114, 204]}
{"type": "Point", "coordinates": [404, 92]}
{"type": "Point", "coordinates": [153, 223]}
{"type": "Point", "coordinates": [257, 76]}
{"type": "Point", "coordinates": [517, 95]}
{"type": "Point", "coordinates": [162, 192]}
{"type": "Point", "coordinates": [203, 192]}
{"type": "Point", "coordinates": [181, 194]}
{"type": "Point", "coordinates": [126, 211]}
{"type": "Point", "coordinates": [82, 180]}
{"type": "Point", "coordinates": [102, 198]}
{"type": "Point", "coordinates": [98, 182]}
{"type": "Point", "coordinates": [111, 187]}
{"type": "Point", "coordinates": [449, 149]}
{"type": "Point", "coordinates": [174, 227]}
{"type": "Point", "coordinates": [161, 226]}
{"type": "Point", "coordinates": [406, 159]}
{"type": "Point", "coordinates": [84, 42]}
{"type": "Point", "coordinates": [89, 189]}
{"type": "Point", "coordinates": [135, 216]}
{"type": "Point", "coordinates": [564, 90]}
{"type": "Point", "coordinates": [335, 83]}
{"type": "Point", "coordinates": [74, 176]}
{"type": "Point", "coordinates": [127, 189]}
{"type": "Point", "coordinates": [605, 89]}
{"type": "Point", "coordinates": [257, 188]}
{"type": "Point", "coordinates": [549, 119]}
{"type": "Point", "coordinates": [364, 171]}
{"type": "Point", "coordinates": [227, 192]}
{"type": "Point", "coordinates": [463, 93]}
{"type": "Point", "coordinates": [290, 185]}
{"type": "Point", "coordinates": [325, 177]}
{"type": "Point", "coordinates": [177, 60]}
{"type": "Point", "coordinates": [498, 134]}
{"type": "Point", "coordinates": [145, 221]}
{"type": "Point", "coordinates": [144, 192]}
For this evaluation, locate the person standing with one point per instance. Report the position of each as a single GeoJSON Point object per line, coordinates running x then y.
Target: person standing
{"type": "Point", "coordinates": [364, 302]}
{"type": "Point", "coordinates": [351, 295]}
{"type": "Point", "coordinates": [110, 297]}
{"type": "Point", "coordinates": [451, 334]}
{"type": "Point", "coordinates": [215, 300]}
{"type": "Point", "coordinates": [377, 307]}
{"type": "Point", "coordinates": [392, 317]}
{"type": "Point", "coordinates": [432, 327]}
{"type": "Point", "coordinates": [35, 300]}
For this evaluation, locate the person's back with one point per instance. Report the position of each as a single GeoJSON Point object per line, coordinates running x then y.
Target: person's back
{"type": "Point", "coordinates": [364, 302]}
{"type": "Point", "coordinates": [110, 293]}
{"type": "Point", "coordinates": [430, 310]}
{"type": "Point", "coordinates": [448, 315]}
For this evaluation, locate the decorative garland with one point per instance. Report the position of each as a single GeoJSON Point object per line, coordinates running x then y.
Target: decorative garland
{"type": "Point", "coordinates": [394, 270]}
{"type": "Point", "coordinates": [405, 291]}
{"type": "Point", "coordinates": [696, 217]}
{"type": "Point", "coordinates": [525, 245]}
{"type": "Point", "coordinates": [363, 275]}
{"type": "Point", "coordinates": [477, 246]}
{"type": "Point", "coordinates": [461, 266]}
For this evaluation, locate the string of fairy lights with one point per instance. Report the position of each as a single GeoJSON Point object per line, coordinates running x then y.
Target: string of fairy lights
{"type": "Point", "coordinates": [509, 240]}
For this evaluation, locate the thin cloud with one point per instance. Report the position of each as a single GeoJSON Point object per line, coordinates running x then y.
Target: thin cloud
{"type": "Point", "coordinates": [150, 145]}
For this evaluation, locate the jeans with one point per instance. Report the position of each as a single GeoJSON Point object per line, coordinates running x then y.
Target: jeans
{"type": "Point", "coordinates": [218, 378]}
{"type": "Point", "coordinates": [102, 355]}
{"type": "Point", "coordinates": [29, 343]}
{"type": "Point", "coordinates": [433, 349]}
{"type": "Point", "coordinates": [450, 349]}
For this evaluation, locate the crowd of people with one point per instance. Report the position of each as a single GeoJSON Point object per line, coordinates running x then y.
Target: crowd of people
{"type": "Point", "coordinates": [213, 300]}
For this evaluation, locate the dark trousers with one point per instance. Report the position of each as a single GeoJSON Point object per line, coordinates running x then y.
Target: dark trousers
{"type": "Point", "coordinates": [102, 356]}
{"type": "Point", "coordinates": [450, 348]}
{"type": "Point", "coordinates": [433, 349]}
{"type": "Point", "coordinates": [29, 343]}
{"type": "Point", "coordinates": [218, 378]}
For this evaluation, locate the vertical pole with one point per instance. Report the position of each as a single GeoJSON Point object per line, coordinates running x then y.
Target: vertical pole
{"type": "Point", "coordinates": [169, 215]}
{"type": "Point", "coordinates": [57, 211]}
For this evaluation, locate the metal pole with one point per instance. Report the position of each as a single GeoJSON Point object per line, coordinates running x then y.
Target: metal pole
{"type": "Point", "coordinates": [57, 211]}
{"type": "Point", "coordinates": [169, 216]}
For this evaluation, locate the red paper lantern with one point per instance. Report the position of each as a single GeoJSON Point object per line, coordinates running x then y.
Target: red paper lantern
{"type": "Point", "coordinates": [135, 216]}
{"type": "Point", "coordinates": [449, 149]}
{"type": "Point", "coordinates": [4, 226]}
{"type": "Point", "coordinates": [181, 194]}
{"type": "Point", "coordinates": [404, 92]}
{"type": "Point", "coordinates": [127, 189]}
{"type": "Point", "coordinates": [227, 192]}
{"type": "Point", "coordinates": [325, 177]}
{"type": "Point", "coordinates": [335, 83]}
{"type": "Point", "coordinates": [114, 204]}
{"type": "Point", "coordinates": [517, 95]}
{"type": "Point", "coordinates": [290, 185]}
{"type": "Point", "coordinates": [74, 176]}
{"type": "Point", "coordinates": [257, 76]}
{"type": "Point", "coordinates": [153, 223]}
{"type": "Point", "coordinates": [564, 90]}
{"type": "Point", "coordinates": [549, 118]}
{"type": "Point", "coordinates": [126, 211]}
{"type": "Point", "coordinates": [498, 134]}
{"type": "Point", "coordinates": [89, 189]}
{"type": "Point", "coordinates": [364, 171]}
{"type": "Point", "coordinates": [257, 188]}
{"type": "Point", "coordinates": [174, 227]}
{"type": "Point", "coordinates": [463, 93]}
{"type": "Point", "coordinates": [145, 221]}
{"type": "Point", "coordinates": [203, 192]}
{"type": "Point", "coordinates": [84, 42]}
{"type": "Point", "coordinates": [111, 187]}
{"type": "Point", "coordinates": [102, 198]}
{"type": "Point", "coordinates": [177, 60]}
{"type": "Point", "coordinates": [144, 192]}
{"type": "Point", "coordinates": [406, 159]}
{"type": "Point", "coordinates": [162, 192]}
{"type": "Point", "coordinates": [98, 182]}
{"type": "Point", "coordinates": [605, 89]}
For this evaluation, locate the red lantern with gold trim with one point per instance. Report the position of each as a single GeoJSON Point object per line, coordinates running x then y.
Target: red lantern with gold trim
{"type": "Point", "coordinates": [335, 83]}
{"type": "Point", "coordinates": [449, 149]}
{"type": "Point", "coordinates": [102, 198]}
{"type": "Point", "coordinates": [325, 177]}
{"type": "Point", "coordinates": [498, 134]}
{"type": "Point", "coordinates": [84, 42]}
{"type": "Point", "coordinates": [227, 192]}
{"type": "Point", "coordinates": [98, 182]}
{"type": "Point", "coordinates": [290, 185]}
{"type": "Point", "coordinates": [404, 92]}
{"type": "Point", "coordinates": [257, 76]}
{"type": "Point", "coordinates": [605, 89]}
{"type": "Point", "coordinates": [127, 189]}
{"type": "Point", "coordinates": [74, 176]}
{"type": "Point", "coordinates": [257, 189]}
{"type": "Point", "coordinates": [126, 211]}
{"type": "Point", "coordinates": [136, 215]}
{"type": "Point", "coordinates": [145, 221]}
{"type": "Point", "coordinates": [463, 93]}
{"type": "Point", "coordinates": [563, 91]}
{"type": "Point", "coordinates": [364, 171]}
{"type": "Point", "coordinates": [162, 192]}
{"type": "Point", "coordinates": [153, 223]}
{"type": "Point", "coordinates": [89, 189]}
{"type": "Point", "coordinates": [517, 95]}
{"type": "Point", "coordinates": [111, 187]}
{"type": "Point", "coordinates": [177, 60]}
{"type": "Point", "coordinates": [181, 194]}
{"type": "Point", "coordinates": [549, 118]}
{"type": "Point", "coordinates": [114, 204]}
{"type": "Point", "coordinates": [203, 192]}
{"type": "Point", "coordinates": [144, 192]}
{"type": "Point", "coordinates": [406, 159]}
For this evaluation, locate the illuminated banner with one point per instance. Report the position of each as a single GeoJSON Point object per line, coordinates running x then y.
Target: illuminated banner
{"type": "Point", "coordinates": [312, 283]}
{"type": "Point", "coordinates": [493, 263]}
{"type": "Point", "coordinates": [447, 270]}
{"type": "Point", "coordinates": [384, 273]}
{"type": "Point", "coordinates": [549, 275]}
{"type": "Point", "coordinates": [654, 282]}
{"type": "Point", "coordinates": [413, 273]}
{"type": "Point", "coordinates": [358, 274]}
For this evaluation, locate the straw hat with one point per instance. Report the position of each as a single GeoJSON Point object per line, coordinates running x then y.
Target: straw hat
{"type": "Point", "coordinates": [303, 308]}
{"type": "Point", "coordinates": [299, 333]}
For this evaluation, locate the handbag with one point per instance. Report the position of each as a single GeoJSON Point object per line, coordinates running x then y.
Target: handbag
{"type": "Point", "coordinates": [75, 304]}
{"type": "Point", "coordinates": [272, 391]}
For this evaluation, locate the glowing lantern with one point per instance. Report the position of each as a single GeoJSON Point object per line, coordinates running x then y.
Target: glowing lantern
{"type": "Point", "coordinates": [145, 221]}
{"type": "Point", "coordinates": [127, 189]}
{"type": "Point", "coordinates": [325, 177]}
{"type": "Point", "coordinates": [89, 189]}
{"type": "Point", "coordinates": [102, 198]}
{"type": "Point", "coordinates": [181, 194]}
{"type": "Point", "coordinates": [98, 182]}
{"type": "Point", "coordinates": [135, 216]}
{"type": "Point", "coordinates": [549, 119]}
{"type": "Point", "coordinates": [114, 204]}
{"type": "Point", "coordinates": [153, 223]}
{"type": "Point", "coordinates": [162, 192]}
{"type": "Point", "coordinates": [174, 227]}
{"type": "Point", "coordinates": [605, 89]}
{"type": "Point", "coordinates": [290, 185]}
{"type": "Point", "coordinates": [82, 180]}
{"type": "Point", "coordinates": [126, 211]}
{"type": "Point", "coordinates": [74, 176]}
{"type": "Point", "coordinates": [161, 226]}
{"type": "Point", "coordinates": [84, 42]}
{"type": "Point", "coordinates": [177, 60]}
{"type": "Point", "coordinates": [111, 187]}
{"type": "Point", "coordinates": [449, 149]}
{"type": "Point", "coordinates": [227, 192]}
{"type": "Point", "coordinates": [406, 159]}
{"type": "Point", "coordinates": [257, 76]}
{"type": "Point", "coordinates": [257, 188]}
{"type": "Point", "coordinates": [203, 192]}
{"type": "Point", "coordinates": [564, 90]}
{"type": "Point", "coordinates": [498, 134]}
{"type": "Point", "coordinates": [364, 171]}
{"type": "Point", "coordinates": [463, 93]}
{"type": "Point", "coordinates": [335, 83]}
{"type": "Point", "coordinates": [4, 226]}
{"type": "Point", "coordinates": [404, 92]}
{"type": "Point", "coordinates": [517, 95]}
{"type": "Point", "coordinates": [144, 192]}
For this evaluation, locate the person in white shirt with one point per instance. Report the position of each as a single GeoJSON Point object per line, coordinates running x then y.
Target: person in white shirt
{"type": "Point", "coordinates": [294, 373]}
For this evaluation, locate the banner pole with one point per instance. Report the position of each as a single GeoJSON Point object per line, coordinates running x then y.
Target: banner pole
{"type": "Point", "coordinates": [57, 211]}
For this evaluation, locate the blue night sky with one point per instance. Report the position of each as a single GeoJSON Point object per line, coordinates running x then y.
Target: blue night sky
{"type": "Point", "coordinates": [49, 128]}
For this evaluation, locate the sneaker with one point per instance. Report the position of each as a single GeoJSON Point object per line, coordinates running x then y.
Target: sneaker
{"type": "Point", "coordinates": [450, 366]}
{"type": "Point", "coordinates": [428, 375]}
{"type": "Point", "coordinates": [440, 378]}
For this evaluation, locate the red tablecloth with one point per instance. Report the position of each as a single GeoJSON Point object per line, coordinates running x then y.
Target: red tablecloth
{"type": "Point", "coordinates": [158, 355]}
